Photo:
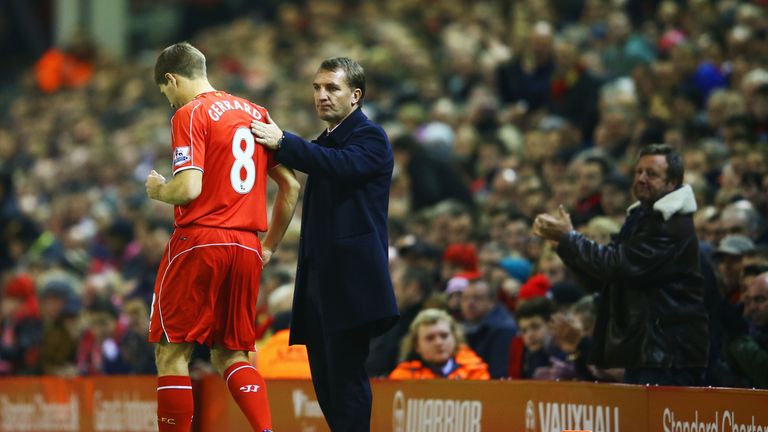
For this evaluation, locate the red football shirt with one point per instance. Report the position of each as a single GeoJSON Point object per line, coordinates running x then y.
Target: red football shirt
{"type": "Point", "coordinates": [212, 134]}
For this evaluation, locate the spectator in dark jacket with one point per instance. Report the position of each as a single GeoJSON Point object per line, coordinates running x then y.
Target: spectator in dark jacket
{"type": "Point", "coordinates": [431, 179]}
{"type": "Point", "coordinates": [527, 79]}
{"type": "Point", "coordinates": [412, 286]}
{"type": "Point", "coordinates": [135, 351]}
{"type": "Point", "coordinates": [488, 327]}
{"type": "Point", "coordinates": [651, 318]}
{"type": "Point", "coordinates": [590, 175]}
{"type": "Point", "coordinates": [573, 90]}
{"type": "Point", "coordinates": [748, 352]}
{"type": "Point", "coordinates": [59, 308]}
{"type": "Point", "coordinates": [533, 350]}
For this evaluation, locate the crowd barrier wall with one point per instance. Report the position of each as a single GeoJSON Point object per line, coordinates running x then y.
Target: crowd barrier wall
{"type": "Point", "coordinates": [128, 404]}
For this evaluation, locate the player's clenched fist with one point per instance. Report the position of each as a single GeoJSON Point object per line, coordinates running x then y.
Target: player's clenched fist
{"type": "Point", "coordinates": [266, 256]}
{"type": "Point", "coordinates": [154, 183]}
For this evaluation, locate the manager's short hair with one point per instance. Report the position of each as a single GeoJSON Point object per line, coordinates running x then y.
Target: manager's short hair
{"type": "Point", "coordinates": [181, 59]}
{"type": "Point", "coordinates": [354, 72]}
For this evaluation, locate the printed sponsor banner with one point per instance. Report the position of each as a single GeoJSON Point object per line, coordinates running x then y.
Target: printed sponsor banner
{"type": "Point", "coordinates": [121, 404]}
{"type": "Point", "coordinates": [49, 404]}
{"type": "Point", "coordinates": [78, 404]}
{"type": "Point", "coordinates": [514, 406]}
{"type": "Point", "coordinates": [676, 409]}
{"type": "Point", "coordinates": [217, 411]}
{"type": "Point", "coordinates": [129, 404]}
{"type": "Point", "coordinates": [554, 406]}
{"type": "Point", "coordinates": [292, 402]}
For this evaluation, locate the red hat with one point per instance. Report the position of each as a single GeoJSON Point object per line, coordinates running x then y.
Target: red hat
{"type": "Point", "coordinates": [670, 39]}
{"type": "Point", "coordinates": [20, 286]}
{"type": "Point", "coordinates": [464, 255]}
{"type": "Point", "coordinates": [469, 275]}
{"type": "Point", "coordinates": [536, 286]}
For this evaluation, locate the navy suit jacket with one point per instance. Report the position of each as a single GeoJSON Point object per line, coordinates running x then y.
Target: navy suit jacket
{"type": "Point", "coordinates": [344, 226]}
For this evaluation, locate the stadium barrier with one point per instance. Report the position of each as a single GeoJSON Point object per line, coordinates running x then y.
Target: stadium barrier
{"type": "Point", "coordinates": [128, 404]}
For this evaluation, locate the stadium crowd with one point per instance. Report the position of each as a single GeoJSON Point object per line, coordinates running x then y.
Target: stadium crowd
{"type": "Point", "coordinates": [497, 111]}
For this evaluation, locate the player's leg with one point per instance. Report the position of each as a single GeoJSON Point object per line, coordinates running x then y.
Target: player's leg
{"type": "Point", "coordinates": [234, 331]}
{"type": "Point", "coordinates": [246, 385]}
{"type": "Point", "coordinates": [175, 406]}
{"type": "Point", "coordinates": [181, 313]}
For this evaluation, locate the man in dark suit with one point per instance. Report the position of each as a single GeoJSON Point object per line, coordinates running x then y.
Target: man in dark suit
{"type": "Point", "coordinates": [344, 294]}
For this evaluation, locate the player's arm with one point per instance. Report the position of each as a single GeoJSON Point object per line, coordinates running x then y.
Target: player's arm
{"type": "Point", "coordinates": [181, 190]}
{"type": "Point", "coordinates": [282, 211]}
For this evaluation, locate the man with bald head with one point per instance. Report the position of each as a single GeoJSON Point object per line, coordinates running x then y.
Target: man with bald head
{"type": "Point", "coordinates": [749, 353]}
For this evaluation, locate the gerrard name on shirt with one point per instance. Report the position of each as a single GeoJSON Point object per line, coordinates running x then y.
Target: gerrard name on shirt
{"type": "Point", "coordinates": [218, 108]}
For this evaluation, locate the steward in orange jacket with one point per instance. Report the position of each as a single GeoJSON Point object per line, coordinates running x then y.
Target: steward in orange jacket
{"type": "Point", "coordinates": [276, 359]}
{"type": "Point", "coordinates": [466, 365]}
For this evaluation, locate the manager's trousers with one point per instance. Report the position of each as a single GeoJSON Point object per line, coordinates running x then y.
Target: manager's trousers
{"type": "Point", "coordinates": [337, 362]}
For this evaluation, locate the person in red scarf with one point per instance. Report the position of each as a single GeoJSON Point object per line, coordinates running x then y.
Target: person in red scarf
{"type": "Point", "coordinates": [20, 326]}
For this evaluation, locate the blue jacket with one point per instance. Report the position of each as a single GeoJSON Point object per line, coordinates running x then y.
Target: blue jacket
{"type": "Point", "coordinates": [491, 340]}
{"type": "Point", "coordinates": [344, 226]}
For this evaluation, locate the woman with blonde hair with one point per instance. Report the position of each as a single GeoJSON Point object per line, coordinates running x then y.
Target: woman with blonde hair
{"type": "Point", "coordinates": [434, 348]}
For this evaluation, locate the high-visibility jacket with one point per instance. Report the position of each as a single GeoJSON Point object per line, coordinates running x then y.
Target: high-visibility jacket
{"type": "Point", "coordinates": [468, 366]}
{"type": "Point", "coordinates": [276, 359]}
{"type": "Point", "coordinates": [57, 69]}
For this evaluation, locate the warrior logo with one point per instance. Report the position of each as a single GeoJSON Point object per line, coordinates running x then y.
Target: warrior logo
{"type": "Point", "coordinates": [398, 412]}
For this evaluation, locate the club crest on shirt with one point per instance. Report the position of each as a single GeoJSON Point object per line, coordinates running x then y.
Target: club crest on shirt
{"type": "Point", "coordinates": [181, 156]}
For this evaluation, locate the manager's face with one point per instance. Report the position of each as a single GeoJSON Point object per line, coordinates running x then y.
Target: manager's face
{"type": "Point", "coordinates": [334, 98]}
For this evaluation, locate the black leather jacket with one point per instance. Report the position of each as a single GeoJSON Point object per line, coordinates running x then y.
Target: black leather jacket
{"type": "Point", "coordinates": [650, 307]}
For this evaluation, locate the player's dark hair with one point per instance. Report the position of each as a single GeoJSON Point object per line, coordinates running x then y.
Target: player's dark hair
{"type": "Point", "coordinates": [675, 168]}
{"type": "Point", "coordinates": [182, 59]}
{"type": "Point", "coordinates": [352, 69]}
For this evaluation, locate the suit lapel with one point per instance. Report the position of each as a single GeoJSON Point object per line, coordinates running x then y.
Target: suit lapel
{"type": "Point", "coordinates": [340, 135]}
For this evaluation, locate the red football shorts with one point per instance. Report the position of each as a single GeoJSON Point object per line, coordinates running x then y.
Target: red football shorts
{"type": "Point", "coordinates": [206, 288]}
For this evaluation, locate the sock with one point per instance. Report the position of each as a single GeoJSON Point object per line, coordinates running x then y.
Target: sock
{"type": "Point", "coordinates": [175, 406]}
{"type": "Point", "coordinates": [250, 392]}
